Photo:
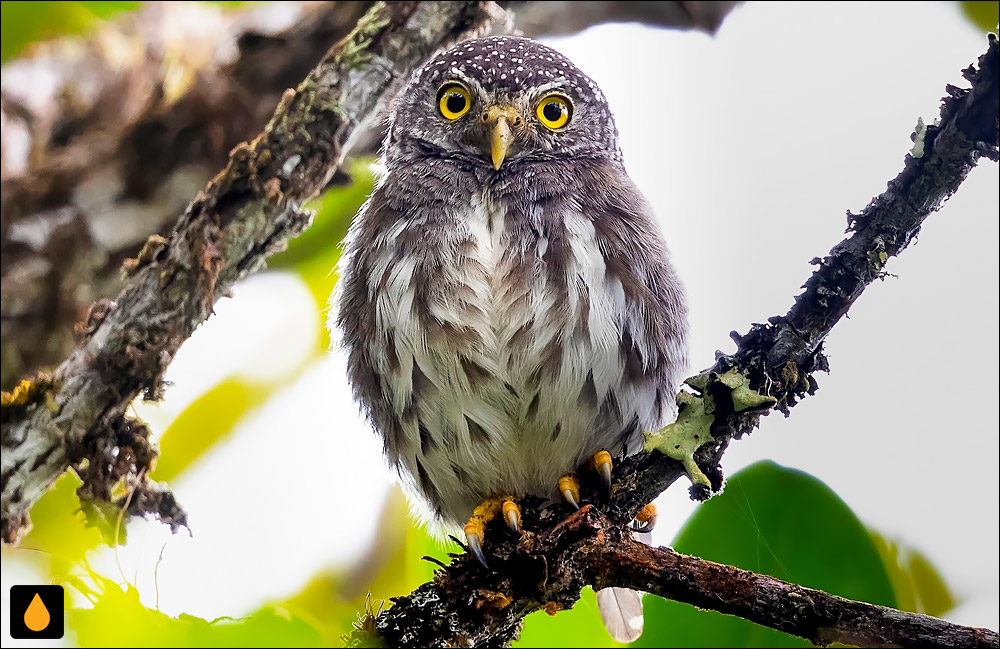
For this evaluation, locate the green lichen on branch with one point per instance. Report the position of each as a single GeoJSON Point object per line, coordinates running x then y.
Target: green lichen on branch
{"type": "Point", "coordinates": [696, 416]}
{"type": "Point", "coordinates": [681, 439]}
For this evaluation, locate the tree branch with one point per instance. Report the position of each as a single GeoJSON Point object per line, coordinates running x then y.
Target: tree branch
{"type": "Point", "coordinates": [812, 614]}
{"type": "Point", "coordinates": [773, 366]}
{"type": "Point", "coordinates": [571, 16]}
{"type": "Point", "coordinates": [76, 417]}
{"type": "Point", "coordinates": [469, 607]}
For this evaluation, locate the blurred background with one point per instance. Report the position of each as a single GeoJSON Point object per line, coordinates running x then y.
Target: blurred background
{"type": "Point", "coordinates": [751, 144]}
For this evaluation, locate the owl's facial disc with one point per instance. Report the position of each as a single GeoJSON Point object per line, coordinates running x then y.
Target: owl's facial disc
{"type": "Point", "coordinates": [501, 120]}
{"type": "Point", "coordinates": [501, 104]}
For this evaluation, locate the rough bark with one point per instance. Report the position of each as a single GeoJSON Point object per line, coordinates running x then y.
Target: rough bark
{"type": "Point", "coordinates": [244, 214]}
{"type": "Point", "coordinates": [115, 150]}
{"type": "Point", "coordinates": [773, 367]}
{"type": "Point", "coordinates": [812, 614]}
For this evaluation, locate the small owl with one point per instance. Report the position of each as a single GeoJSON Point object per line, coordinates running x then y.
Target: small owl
{"type": "Point", "coordinates": [506, 300]}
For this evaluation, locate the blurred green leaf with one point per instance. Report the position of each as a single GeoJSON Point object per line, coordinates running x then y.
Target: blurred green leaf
{"type": "Point", "coordinates": [119, 619]}
{"type": "Point", "coordinates": [780, 522]}
{"type": "Point", "coordinates": [580, 626]}
{"type": "Point", "coordinates": [211, 417]}
{"type": "Point", "coordinates": [420, 544]}
{"type": "Point", "coordinates": [58, 526]}
{"type": "Point", "coordinates": [23, 23]}
{"type": "Point", "coordinates": [918, 586]}
{"type": "Point", "coordinates": [315, 254]}
{"type": "Point", "coordinates": [984, 15]}
{"type": "Point", "coordinates": [334, 211]}
{"type": "Point", "coordinates": [321, 604]}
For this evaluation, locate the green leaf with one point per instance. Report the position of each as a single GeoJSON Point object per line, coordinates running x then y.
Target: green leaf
{"type": "Point", "coordinates": [23, 23]}
{"type": "Point", "coordinates": [314, 254]}
{"type": "Point", "coordinates": [984, 15]}
{"type": "Point", "coordinates": [334, 211]}
{"type": "Point", "coordinates": [579, 626]}
{"type": "Point", "coordinates": [58, 527]}
{"type": "Point", "coordinates": [204, 422]}
{"type": "Point", "coordinates": [780, 522]}
{"type": "Point", "coordinates": [918, 586]}
{"type": "Point", "coordinates": [119, 619]}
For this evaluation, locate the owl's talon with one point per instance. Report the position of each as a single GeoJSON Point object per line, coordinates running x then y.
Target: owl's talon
{"type": "Point", "coordinates": [602, 462]}
{"type": "Point", "coordinates": [475, 529]}
{"type": "Point", "coordinates": [569, 487]}
{"type": "Point", "coordinates": [512, 516]}
{"type": "Point", "coordinates": [645, 520]}
{"type": "Point", "coordinates": [475, 543]}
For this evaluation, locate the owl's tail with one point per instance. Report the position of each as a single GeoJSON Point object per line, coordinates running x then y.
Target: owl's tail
{"type": "Point", "coordinates": [621, 612]}
{"type": "Point", "coordinates": [621, 608]}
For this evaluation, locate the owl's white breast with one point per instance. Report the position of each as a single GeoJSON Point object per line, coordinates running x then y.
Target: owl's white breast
{"type": "Point", "coordinates": [546, 355]}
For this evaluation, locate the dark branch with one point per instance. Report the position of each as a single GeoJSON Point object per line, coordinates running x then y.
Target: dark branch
{"type": "Point", "coordinates": [466, 606]}
{"type": "Point", "coordinates": [244, 215]}
{"type": "Point", "coordinates": [814, 615]}
{"type": "Point", "coordinates": [570, 16]}
{"type": "Point", "coordinates": [546, 571]}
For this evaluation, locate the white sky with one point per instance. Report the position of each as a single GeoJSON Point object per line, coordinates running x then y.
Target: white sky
{"type": "Point", "coordinates": [751, 146]}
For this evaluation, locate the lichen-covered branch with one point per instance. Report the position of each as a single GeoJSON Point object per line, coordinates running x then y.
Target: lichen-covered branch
{"type": "Point", "coordinates": [244, 214]}
{"type": "Point", "coordinates": [812, 614]}
{"type": "Point", "coordinates": [467, 606]}
{"type": "Point", "coordinates": [772, 368]}
{"type": "Point", "coordinates": [116, 147]}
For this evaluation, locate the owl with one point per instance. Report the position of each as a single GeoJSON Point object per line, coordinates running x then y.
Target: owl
{"type": "Point", "coordinates": [506, 301]}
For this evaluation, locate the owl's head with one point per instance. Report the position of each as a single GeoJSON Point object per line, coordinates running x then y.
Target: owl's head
{"type": "Point", "coordinates": [500, 101]}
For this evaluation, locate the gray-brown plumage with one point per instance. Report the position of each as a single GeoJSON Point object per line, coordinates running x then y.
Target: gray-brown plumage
{"type": "Point", "coordinates": [506, 319]}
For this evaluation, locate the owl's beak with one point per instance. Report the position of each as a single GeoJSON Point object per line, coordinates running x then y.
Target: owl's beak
{"type": "Point", "coordinates": [499, 120]}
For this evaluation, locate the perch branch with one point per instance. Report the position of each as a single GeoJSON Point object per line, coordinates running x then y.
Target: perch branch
{"type": "Point", "coordinates": [547, 570]}
{"type": "Point", "coordinates": [812, 614]}
{"type": "Point", "coordinates": [244, 214]}
{"type": "Point", "coordinates": [773, 366]}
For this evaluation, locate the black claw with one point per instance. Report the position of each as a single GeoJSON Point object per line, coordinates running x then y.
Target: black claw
{"type": "Point", "coordinates": [477, 549]}
{"type": "Point", "coordinates": [604, 490]}
{"type": "Point", "coordinates": [604, 486]}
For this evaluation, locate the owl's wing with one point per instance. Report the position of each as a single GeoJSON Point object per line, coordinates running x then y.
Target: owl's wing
{"type": "Point", "coordinates": [378, 251]}
{"type": "Point", "coordinates": [654, 325]}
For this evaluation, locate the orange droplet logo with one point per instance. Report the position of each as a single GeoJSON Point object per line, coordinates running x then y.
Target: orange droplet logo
{"type": "Point", "coordinates": [36, 617]}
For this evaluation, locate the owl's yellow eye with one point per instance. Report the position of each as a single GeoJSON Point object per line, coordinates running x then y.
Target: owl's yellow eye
{"type": "Point", "coordinates": [454, 100]}
{"type": "Point", "coordinates": [554, 111]}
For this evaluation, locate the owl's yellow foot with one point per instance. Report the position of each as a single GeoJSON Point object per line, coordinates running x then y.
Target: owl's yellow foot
{"type": "Point", "coordinates": [475, 529]}
{"type": "Point", "coordinates": [569, 487]}
{"type": "Point", "coordinates": [645, 520]}
{"type": "Point", "coordinates": [512, 515]}
{"type": "Point", "coordinates": [602, 464]}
